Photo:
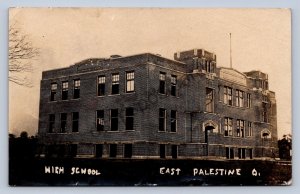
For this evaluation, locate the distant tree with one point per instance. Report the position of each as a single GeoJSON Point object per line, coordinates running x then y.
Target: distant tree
{"type": "Point", "coordinates": [24, 135]}
{"type": "Point", "coordinates": [20, 56]}
{"type": "Point", "coordinates": [285, 147]}
{"type": "Point", "coordinates": [12, 136]}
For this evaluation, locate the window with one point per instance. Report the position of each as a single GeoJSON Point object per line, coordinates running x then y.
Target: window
{"type": "Point", "coordinates": [73, 150]}
{"type": "Point", "coordinates": [173, 120]}
{"type": "Point", "coordinates": [228, 95]}
{"type": "Point", "coordinates": [266, 85]}
{"type": "Point", "coordinates": [114, 121]}
{"type": "Point", "coordinates": [129, 118]}
{"type": "Point", "coordinates": [129, 81]}
{"type": "Point", "coordinates": [115, 83]}
{"type": "Point", "coordinates": [162, 119]}
{"type": "Point", "coordinates": [99, 151]}
{"type": "Point", "coordinates": [239, 98]}
{"type": "Point", "coordinates": [174, 150]}
{"type": "Point", "coordinates": [162, 151]}
{"type": "Point", "coordinates": [242, 153]}
{"type": "Point", "coordinates": [162, 83]}
{"type": "Point", "coordinates": [209, 67]}
{"type": "Point", "coordinates": [53, 91]}
{"type": "Point", "coordinates": [63, 122]}
{"type": "Point", "coordinates": [265, 134]}
{"type": "Point", "coordinates": [265, 116]}
{"type": "Point", "coordinates": [249, 102]}
{"type": "Point", "coordinates": [209, 103]}
{"type": "Point", "coordinates": [51, 123]}
{"type": "Point", "coordinates": [250, 151]}
{"type": "Point", "coordinates": [265, 112]}
{"type": "Point", "coordinates": [76, 92]}
{"type": "Point", "coordinates": [127, 150]}
{"type": "Point", "coordinates": [100, 120]}
{"type": "Point", "coordinates": [265, 99]}
{"type": "Point", "coordinates": [229, 153]}
{"type": "Point", "coordinates": [228, 127]}
{"type": "Point", "coordinates": [64, 92]}
{"type": "Point", "coordinates": [113, 150]}
{"type": "Point", "coordinates": [240, 130]}
{"type": "Point", "coordinates": [101, 85]}
{"type": "Point", "coordinates": [173, 85]}
{"type": "Point", "coordinates": [61, 150]}
{"type": "Point", "coordinates": [250, 129]}
{"type": "Point", "coordinates": [75, 121]}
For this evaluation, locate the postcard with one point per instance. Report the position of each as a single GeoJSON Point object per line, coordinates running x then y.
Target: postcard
{"type": "Point", "coordinates": [149, 97]}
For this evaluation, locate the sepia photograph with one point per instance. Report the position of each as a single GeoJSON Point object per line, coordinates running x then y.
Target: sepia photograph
{"type": "Point", "coordinates": [149, 97]}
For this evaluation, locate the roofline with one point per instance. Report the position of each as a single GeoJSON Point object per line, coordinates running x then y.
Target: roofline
{"type": "Point", "coordinates": [112, 59]}
{"type": "Point", "coordinates": [222, 67]}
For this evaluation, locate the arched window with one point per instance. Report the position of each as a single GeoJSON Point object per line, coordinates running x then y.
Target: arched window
{"type": "Point", "coordinates": [211, 125]}
{"type": "Point", "coordinates": [265, 134]}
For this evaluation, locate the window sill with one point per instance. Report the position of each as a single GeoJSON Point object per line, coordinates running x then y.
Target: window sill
{"type": "Point", "coordinates": [209, 112]}
{"type": "Point", "coordinates": [104, 131]}
{"type": "Point", "coordinates": [175, 96]}
{"type": "Point", "coordinates": [75, 99]}
{"type": "Point", "coordinates": [234, 137]}
{"type": "Point", "coordinates": [114, 95]}
{"type": "Point", "coordinates": [162, 94]}
{"type": "Point", "coordinates": [133, 92]}
{"type": "Point", "coordinates": [161, 131]}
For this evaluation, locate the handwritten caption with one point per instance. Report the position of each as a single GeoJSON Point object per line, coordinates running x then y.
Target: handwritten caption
{"type": "Point", "coordinates": [173, 171]}
{"type": "Point", "coordinates": [207, 171]}
{"type": "Point", "coordinates": [74, 170]}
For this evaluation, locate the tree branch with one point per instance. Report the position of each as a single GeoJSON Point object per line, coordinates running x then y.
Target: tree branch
{"type": "Point", "coordinates": [21, 54]}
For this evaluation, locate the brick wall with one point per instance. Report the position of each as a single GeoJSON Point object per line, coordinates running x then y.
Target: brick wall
{"type": "Point", "coordinates": [192, 118]}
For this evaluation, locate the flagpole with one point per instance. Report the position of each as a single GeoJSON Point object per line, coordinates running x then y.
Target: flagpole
{"type": "Point", "coordinates": [230, 51]}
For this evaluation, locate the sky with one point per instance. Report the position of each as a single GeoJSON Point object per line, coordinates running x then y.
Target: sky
{"type": "Point", "coordinates": [261, 40]}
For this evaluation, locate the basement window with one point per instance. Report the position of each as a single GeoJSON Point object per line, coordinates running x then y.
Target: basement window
{"type": "Point", "coordinates": [162, 151]}
{"type": "Point", "coordinates": [127, 150]}
{"type": "Point", "coordinates": [113, 150]}
{"type": "Point", "coordinates": [229, 153]}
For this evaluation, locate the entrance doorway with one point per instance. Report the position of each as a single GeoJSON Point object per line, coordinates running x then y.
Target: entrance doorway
{"type": "Point", "coordinates": [208, 129]}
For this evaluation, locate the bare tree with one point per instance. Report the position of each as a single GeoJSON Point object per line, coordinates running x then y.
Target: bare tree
{"type": "Point", "coordinates": [21, 54]}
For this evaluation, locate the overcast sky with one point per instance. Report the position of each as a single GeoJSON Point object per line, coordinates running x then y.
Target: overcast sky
{"type": "Point", "coordinates": [261, 40]}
